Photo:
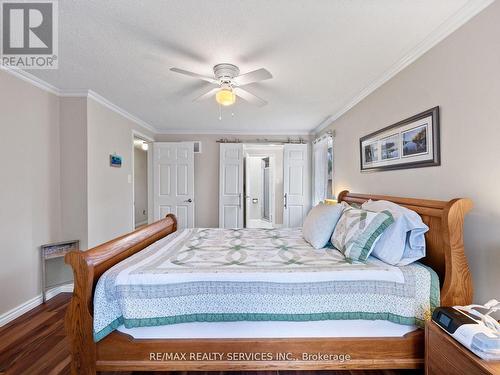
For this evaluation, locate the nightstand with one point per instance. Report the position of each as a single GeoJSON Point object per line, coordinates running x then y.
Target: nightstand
{"type": "Point", "coordinates": [446, 356]}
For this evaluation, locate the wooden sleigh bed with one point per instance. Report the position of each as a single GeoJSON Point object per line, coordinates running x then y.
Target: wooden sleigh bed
{"type": "Point", "coordinates": [121, 352]}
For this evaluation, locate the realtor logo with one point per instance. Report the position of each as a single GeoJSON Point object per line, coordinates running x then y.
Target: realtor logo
{"type": "Point", "coordinates": [29, 34]}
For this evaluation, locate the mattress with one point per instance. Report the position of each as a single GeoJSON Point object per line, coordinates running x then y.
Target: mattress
{"type": "Point", "coordinates": [242, 330]}
{"type": "Point", "coordinates": [256, 275]}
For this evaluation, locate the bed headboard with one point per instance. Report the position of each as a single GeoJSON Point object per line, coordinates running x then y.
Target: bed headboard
{"type": "Point", "coordinates": [444, 241]}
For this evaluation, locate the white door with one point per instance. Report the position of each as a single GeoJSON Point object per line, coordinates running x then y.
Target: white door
{"type": "Point", "coordinates": [231, 185]}
{"type": "Point", "coordinates": [296, 184]}
{"type": "Point", "coordinates": [173, 177]}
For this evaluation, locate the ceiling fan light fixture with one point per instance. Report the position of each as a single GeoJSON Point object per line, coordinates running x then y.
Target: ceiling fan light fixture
{"type": "Point", "coordinates": [225, 97]}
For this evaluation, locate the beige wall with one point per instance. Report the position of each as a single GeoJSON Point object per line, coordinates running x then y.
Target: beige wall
{"type": "Point", "coordinates": [29, 186]}
{"type": "Point", "coordinates": [206, 173]}
{"type": "Point", "coordinates": [462, 76]}
{"type": "Point", "coordinates": [140, 186]}
{"type": "Point", "coordinates": [74, 215]}
{"type": "Point", "coordinates": [56, 183]}
{"type": "Point", "coordinates": [110, 198]}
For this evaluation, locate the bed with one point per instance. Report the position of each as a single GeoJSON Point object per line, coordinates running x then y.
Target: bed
{"type": "Point", "coordinates": [299, 327]}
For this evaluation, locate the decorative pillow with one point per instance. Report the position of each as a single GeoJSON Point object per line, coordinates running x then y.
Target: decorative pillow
{"type": "Point", "coordinates": [358, 231]}
{"type": "Point", "coordinates": [404, 241]}
{"type": "Point", "coordinates": [320, 223]}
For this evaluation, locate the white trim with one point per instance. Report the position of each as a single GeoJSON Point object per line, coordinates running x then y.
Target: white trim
{"type": "Point", "coordinates": [77, 93]}
{"type": "Point", "coordinates": [461, 17]}
{"type": "Point", "coordinates": [234, 132]}
{"type": "Point", "coordinates": [82, 93]}
{"type": "Point", "coordinates": [73, 93]}
{"type": "Point", "coordinates": [51, 293]}
{"type": "Point", "coordinates": [105, 102]}
{"type": "Point", "coordinates": [16, 312]}
{"type": "Point", "coordinates": [30, 78]}
{"type": "Point", "coordinates": [141, 223]}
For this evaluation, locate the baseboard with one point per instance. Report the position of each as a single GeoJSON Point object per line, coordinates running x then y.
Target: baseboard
{"type": "Point", "coordinates": [60, 289]}
{"type": "Point", "coordinates": [16, 312]}
{"type": "Point", "coordinates": [141, 223]}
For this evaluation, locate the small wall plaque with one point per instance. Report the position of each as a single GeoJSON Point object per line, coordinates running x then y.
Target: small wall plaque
{"type": "Point", "coordinates": [115, 161]}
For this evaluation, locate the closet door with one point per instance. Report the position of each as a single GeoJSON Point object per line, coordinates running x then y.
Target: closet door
{"type": "Point", "coordinates": [231, 185]}
{"type": "Point", "coordinates": [296, 184]}
{"type": "Point", "coordinates": [173, 177]}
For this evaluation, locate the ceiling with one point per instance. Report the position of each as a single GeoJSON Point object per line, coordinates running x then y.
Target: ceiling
{"type": "Point", "coordinates": [323, 54]}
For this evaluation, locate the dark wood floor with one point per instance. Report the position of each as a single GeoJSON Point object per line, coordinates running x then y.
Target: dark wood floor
{"type": "Point", "coordinates": [35, 343]}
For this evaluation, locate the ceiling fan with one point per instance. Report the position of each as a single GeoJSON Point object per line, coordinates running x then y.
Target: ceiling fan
{"type": "Point", "coordinates": [229, 84]}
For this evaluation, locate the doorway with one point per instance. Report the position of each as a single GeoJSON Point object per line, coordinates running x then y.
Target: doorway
{"type": "Point", "coordinates": [263, 185]}
{"type": "Point", "coordinates": [141, 148]}
{"type": "Point", "coordinates": [288, 174]}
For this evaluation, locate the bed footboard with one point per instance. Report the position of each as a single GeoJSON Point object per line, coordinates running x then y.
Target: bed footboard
{"type": "Point", "coordinates": [88, 266]}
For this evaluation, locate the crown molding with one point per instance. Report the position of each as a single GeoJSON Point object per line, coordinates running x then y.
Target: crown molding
{"type": "Point", "coordinates": [78, 93]}
{"type": "Point", "coordinates": [449, 26]}
{"type": "Point", "coordinates": [457, 20]}
{"type": "Point", "coordinates": [106, 103]}
{"type": "Point", "coordinates": [30, 78]}
{"type": "Point", "coordinates": [234, 132]}
{"type": "Point", "coordinates": [73, 93]}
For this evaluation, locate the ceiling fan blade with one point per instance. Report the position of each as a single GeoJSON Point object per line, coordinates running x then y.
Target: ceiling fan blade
{"type": "Point", "coordinates": [251, 77]}
{"type": "Point", "coordinates": [206, 95]}
{"type": "Point", "coordinates": [251, 98]}
{"type": "Point", "coordinates": [194, 75]}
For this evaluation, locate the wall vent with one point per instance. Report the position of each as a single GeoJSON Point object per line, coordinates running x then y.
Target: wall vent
{"type": "Point", "coordinates": [197, 147]}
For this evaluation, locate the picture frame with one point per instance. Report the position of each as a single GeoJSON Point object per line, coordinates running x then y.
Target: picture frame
{"type": "Point", "coordinates": [410, 143]}
{"type": "Point", "coordinates": [115, 161]}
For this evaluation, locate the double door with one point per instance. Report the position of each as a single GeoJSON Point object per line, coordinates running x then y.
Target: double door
{"type": "Point", "coordinates": [296, 185]}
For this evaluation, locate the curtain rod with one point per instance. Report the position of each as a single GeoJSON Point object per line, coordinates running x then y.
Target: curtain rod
{"type": "Point", "coordinates": [263, 140]}
{"type": "Point", "coordinates": [329, 133]}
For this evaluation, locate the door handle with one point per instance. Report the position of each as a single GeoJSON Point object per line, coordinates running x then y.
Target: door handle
{"type": "Point", "coordinates": [239, 200]}
{"type": "Point", "coordinates": [188, 200]}
{"type": "Point", "coordinates": [286, 200]}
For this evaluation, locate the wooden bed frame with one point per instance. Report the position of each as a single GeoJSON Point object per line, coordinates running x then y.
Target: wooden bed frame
{"type": "Point", "coordinates": [121, 352]}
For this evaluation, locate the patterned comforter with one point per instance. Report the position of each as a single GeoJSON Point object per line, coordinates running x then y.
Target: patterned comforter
{"type": "Point", "coordinates": [213, 275]}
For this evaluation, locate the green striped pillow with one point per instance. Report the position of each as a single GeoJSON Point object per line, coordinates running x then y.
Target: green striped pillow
{"type": "Point", "coordinates": [358, 230]}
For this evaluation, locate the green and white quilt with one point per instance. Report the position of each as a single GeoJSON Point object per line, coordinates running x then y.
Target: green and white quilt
{"type": "Point", "coordinates": [215, 275]}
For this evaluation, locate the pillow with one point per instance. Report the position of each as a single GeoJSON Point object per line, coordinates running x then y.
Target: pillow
{"type": "Point", "coordinates": [404, 241]}
{"type": "Point", "coordinates": [320, 223]}
{"type": "Point", "coordinates": [358, 230]}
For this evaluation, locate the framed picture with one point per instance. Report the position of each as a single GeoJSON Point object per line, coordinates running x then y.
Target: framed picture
{"type": "Point", "coordinates": [411, 143]}
{"type": "Point", "coordinates": [115, 161]}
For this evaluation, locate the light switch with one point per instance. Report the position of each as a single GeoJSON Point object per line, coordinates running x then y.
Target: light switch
{"type": "Point", "coordinates": [129, 178]}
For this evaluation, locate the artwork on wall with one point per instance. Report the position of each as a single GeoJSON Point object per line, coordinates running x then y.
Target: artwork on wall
{"type": "Point", "coordinates": [411, 143]}
{"type": "Point", "coordinates": [115, 161]}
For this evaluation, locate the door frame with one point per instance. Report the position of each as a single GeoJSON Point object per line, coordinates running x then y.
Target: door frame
{"type": "Point", "coordinates": [272, 167]}
{"type": "Point", "coordinates": [149, 153]}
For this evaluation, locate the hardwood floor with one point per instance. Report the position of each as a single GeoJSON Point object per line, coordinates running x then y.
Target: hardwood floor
{"type": "Point", "coordinates": [35, 343]}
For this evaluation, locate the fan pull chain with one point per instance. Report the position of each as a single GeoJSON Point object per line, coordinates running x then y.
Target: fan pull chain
{"type": "Point", "coordinates": [220, 112]}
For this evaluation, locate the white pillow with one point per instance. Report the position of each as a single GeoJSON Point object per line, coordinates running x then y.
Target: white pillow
{"type": "Point", "coordinates": [404, 241]}
{"type": "Point", "coordinates": [320, 223]}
